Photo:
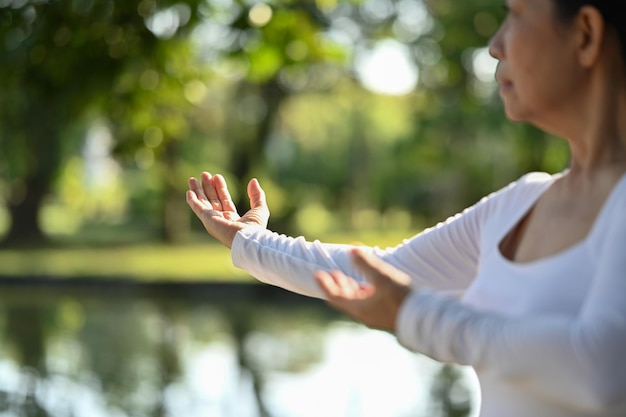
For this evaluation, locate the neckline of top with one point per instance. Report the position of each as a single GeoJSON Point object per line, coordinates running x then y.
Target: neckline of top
{"type": "Point", "coordinates": [608, 203]}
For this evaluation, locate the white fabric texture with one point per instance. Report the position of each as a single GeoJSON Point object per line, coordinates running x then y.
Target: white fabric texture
{"type": "Point", "coordinates": [546, 338]}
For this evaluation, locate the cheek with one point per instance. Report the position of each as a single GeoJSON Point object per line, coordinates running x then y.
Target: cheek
{"type": "Point", "coordinates": [540, 93]}
{"type": "Point", "coordinates": [544, 73]}
{"type": "Point", "coordinates": [555, 80]}
{"type": "Point", "coordinates": [524, 57]}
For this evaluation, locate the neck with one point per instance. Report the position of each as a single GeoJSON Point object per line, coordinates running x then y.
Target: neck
{"type": "Point", "coordinates": [600, 139]}
{"type": "Point", "coordinates": [597, 129]}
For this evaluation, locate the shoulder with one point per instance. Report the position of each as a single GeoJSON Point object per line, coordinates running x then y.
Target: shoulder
{"type": "Point", "coordinates": [515, 197]}
{"type": "Point", "coordinates": [533, 181]}
{"type": "Point", "coordinates": [501, 209]}
{"type": "Point", "coordinates": [538, 178]}
{"type": "Point", "coordinates": [525, 189]}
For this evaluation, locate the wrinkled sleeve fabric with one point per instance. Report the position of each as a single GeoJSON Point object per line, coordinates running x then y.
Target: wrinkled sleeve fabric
{"type": "Point", "coordinates": [577, 361]}
{"type": "Point", "coordinates": [443, 258]}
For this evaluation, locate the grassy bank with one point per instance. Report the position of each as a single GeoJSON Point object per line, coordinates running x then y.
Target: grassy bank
{"type": "Point", "coordinates": [146, 261]}
{"type": "Point", "coordinates": [142, 261]}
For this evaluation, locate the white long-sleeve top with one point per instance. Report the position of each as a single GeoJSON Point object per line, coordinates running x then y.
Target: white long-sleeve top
{"type": "Point", "coordinates": [546, 338]}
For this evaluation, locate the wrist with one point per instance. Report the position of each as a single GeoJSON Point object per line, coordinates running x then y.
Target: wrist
{"type": "Point", "coordinates": [239, 227]}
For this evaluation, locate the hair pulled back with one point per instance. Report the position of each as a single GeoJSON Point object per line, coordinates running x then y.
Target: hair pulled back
{"type": "Point", "coordinates": [613, 12]}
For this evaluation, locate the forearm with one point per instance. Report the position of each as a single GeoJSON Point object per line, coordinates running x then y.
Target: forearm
{"type": "Point", "coordinates": [563, 360]}
{"type": "Point", "coordinates": [430, 259]}
{"type": "Point", "coordinates": [288, 262]}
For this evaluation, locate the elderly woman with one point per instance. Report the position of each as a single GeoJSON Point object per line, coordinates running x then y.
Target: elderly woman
{"type": "Point", "coordinates": [528, 286]}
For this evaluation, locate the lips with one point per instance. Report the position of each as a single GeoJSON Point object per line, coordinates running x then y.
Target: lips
{"type": "Point", "coordinates": [505, 84]}
{"type": "Point", "coordinates": [501, 79]}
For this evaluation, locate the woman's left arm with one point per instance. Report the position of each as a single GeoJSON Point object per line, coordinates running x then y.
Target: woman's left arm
{"type": "Point", "coordinates": [578, 360]}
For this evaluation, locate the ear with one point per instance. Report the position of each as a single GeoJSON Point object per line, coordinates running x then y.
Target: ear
{"type": "Point", "coordinates": [591, 33]}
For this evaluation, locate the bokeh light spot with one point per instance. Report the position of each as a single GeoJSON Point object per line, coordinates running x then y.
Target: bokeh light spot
{"type": "Point", "coordinates": [195, 91]}
{"type": "Point", "coordinates": [153, 136]}
{"type": "Point", "coordinates": [144, 158]}
{"type": "Point", "coordinates": [260, 15]}
{"type": "Point", "coordinates": [149, 80]}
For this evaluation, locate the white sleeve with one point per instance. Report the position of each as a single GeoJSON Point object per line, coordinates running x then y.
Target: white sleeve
{"type": "Point", "coordinates": [443, 258]}
{"type": "Point", "coordinates": [577, 361]}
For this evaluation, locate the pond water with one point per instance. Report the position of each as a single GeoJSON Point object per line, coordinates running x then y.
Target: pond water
{"type": "Point", "coordinates": [206, 350]}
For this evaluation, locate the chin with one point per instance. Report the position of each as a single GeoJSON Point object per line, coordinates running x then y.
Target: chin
{"type": "Point", "coordinates": [515, 116]}
{"type": "Point", "coordinates": [516, 113]}
{"type": "Point", "coordinates": [515, 110]}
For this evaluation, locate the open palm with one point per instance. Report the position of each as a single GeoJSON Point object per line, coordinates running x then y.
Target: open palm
{"type": "Point", "coordinates": [212, 204]}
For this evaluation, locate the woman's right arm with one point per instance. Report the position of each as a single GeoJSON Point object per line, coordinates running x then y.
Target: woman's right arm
{"type": "Point", "coordinates": [441, 258]}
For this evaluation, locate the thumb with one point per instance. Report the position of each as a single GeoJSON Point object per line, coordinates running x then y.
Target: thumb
{"type": "Point", "coordinates": [375, 269]}
{"type": "Point", "coordinates": [256, 194]}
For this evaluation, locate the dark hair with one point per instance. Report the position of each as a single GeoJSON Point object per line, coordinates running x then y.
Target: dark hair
{"type": "Point", "coordinates": [612, 11]}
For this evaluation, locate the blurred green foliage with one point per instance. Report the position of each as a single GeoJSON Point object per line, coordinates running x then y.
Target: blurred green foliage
{"type": "Point", "coordinates": [107, 106]}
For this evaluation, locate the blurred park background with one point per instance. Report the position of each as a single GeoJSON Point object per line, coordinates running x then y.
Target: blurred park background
{"type": "Point", "coordinates": [364, 120]}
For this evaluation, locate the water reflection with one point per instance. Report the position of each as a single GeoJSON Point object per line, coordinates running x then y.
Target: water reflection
{"type": "Point", "coordinates": [204, 350]}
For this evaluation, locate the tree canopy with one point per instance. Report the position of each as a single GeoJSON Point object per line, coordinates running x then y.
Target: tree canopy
{"type": "Point", "coordinates": [278, 89]}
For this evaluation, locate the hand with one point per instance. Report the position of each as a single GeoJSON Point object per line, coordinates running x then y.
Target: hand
{"type": "Point", "coordinates": [211, 202]}
{"type": "Point", "coordinates": [375, 303]}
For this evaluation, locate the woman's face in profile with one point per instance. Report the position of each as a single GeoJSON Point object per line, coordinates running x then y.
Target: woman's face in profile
{"type": "Point", "coordinates": [538, 69]}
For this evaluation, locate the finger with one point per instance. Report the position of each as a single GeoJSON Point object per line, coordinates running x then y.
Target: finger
{"type": "Point", "coordinates": [197, 206]}
{"type": "Point", "coordinates": [327, 284]}
{"type": "Point", "coordinates": [194, 185]}
{"type": "Point", "coordinates": [256, 194]}
{"type": "Point", "coordinates": [209, 191]}
{"type": "Point", "coordinates": [337, 286]}
{"type": "Point", "coordinates": [350, 286]}
{"type": "Point", "coordinates": [375, 269]}
{"type": "Point", "coordinates": [369, 264]}
{"type": "Point", "coordinates": [347, 286]}
{"type": "Point", "coordinates": [223, 194]}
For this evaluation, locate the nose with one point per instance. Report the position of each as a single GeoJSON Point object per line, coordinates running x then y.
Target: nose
{"type": "Point", "coordinates": [496, 48]}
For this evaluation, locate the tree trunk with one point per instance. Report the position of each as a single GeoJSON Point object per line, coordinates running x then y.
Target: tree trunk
{"type": "Point", "coordinates": [43, 156]}
{"type": "Point", "coordinates": [176, 213]}
{"type": "Point", "coordinates": [25, 229]}
{"type": "Point", "coordinates": [244, 157]}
